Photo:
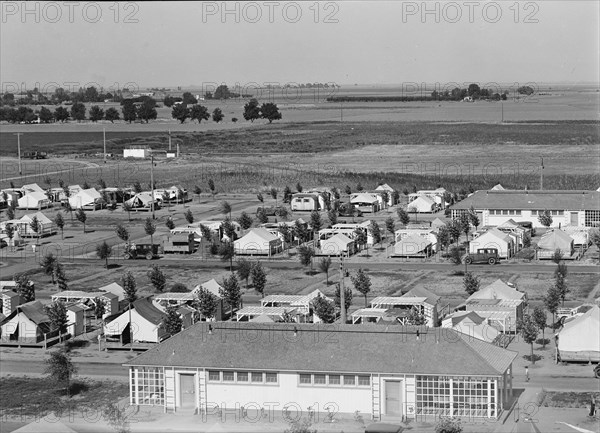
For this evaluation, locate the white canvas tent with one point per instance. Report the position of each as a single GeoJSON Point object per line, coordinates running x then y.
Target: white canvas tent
{"type": "Point", "coordinates": [493, 238]}
{"type": "Point", "coordinates": [472, 324]}
{"type": "Point", "coordinates": [46, 226]}
{"type": "Point", "coordinates": [258, 241]}
{"type": "Point", "coordinates": [86, 199]}
{"type": "Point", "coordinates": [553, 240]}
{"type": "Point", "coordinates": [413, 246]}
{"type": "Point", "coordinates": [336, 245]}
{"type": "Point", "coordinates": [34, 200]}
{"type": "Point", "coordinates": [579, 339]}
{"type": "Point", "coordinates": [365, 202]}
{"type": "Point", "coordinates": [422, 204]}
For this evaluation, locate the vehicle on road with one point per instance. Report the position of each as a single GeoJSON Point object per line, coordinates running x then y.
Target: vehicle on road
{"type": "Point", "coordinates": [528, 226]}
{"type": "Point", "coordinates": [142, 251]}
{"type": "Point", "coordinates": [35, 155]}
{"type": "Point", "coordinates": [483, 255]}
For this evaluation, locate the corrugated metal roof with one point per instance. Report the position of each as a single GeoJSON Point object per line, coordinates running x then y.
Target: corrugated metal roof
{"type": "Point", "coordinates": [531, 200]}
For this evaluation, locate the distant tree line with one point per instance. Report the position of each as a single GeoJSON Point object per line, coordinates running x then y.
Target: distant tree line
{"type": "Point", "coordinates": [60, 96]}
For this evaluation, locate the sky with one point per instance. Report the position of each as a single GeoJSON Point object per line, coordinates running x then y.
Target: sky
{"type": "Point", "coordinates": [169, 44]}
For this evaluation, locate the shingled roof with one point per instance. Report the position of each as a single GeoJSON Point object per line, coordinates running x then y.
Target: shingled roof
{"type": "Point", "coordinates": [334, 348]}
{"type": "Point", "coordinates": [532, 200]}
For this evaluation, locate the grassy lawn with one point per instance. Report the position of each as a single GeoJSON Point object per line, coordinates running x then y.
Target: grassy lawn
{"type": "Point", "coordinates": [568, 399]}
{"type": "Point", "coordinates": [25, 396]}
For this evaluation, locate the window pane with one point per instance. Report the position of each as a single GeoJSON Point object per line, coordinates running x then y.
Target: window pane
{"type": "Point", "coordinates": [305, 378]}
{"type": "Point", "coordinates": [320, 379]}
{"type": "Point", "coordinates": [364, 380]}
{"type": "Point", "coordinates": [257, 377]}
{"type": "Point", "coordinates": [214, 376]}
{"type": "Point", "coordinates": [349, 380]}
{"type": "Point", "coordinates": [228, 376]}
{"type": "Point", "coordinates": [271, 377]}
{"type": "Point", "coordinates": [242, 376]}
{"type": "Point", "coordinates": [334, 379]}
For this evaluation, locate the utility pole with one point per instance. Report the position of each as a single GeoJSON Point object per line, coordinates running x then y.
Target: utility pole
{"type": "Point", "coordinates": [152, 183]}
{"type": "Point", "coordinates": [341, 112]}
{"type": "Point", "coordinates": [169, 139]}
{"type": "Point", "coordinates": [177, 148]}
{"type": "Point", "coordinates": [502, 104]}
{"type": "Point", "coordinates": [342, 292]}
{"type": "Point", "coordinates": [18, 134]}
{"type": "Point", "coordinates": [542, 175]}
{"type": "Point", "coordinates": [104, 141]}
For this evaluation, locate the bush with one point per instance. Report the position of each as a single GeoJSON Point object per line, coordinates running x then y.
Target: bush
{"type": "Point", "coordinates": [455, 255]}
{"type": "Point", "coordinates": [448, 425]}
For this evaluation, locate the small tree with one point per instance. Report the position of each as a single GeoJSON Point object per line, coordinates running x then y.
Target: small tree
{"type": "Point", "coordinates": [403, 216]}
{"type": "Point", "coordinates": [206, 303]}
{"type": "Point", "coordinates": [24, 287]}
{"type": "Point", "coordinates": [416, 317]}
{"type": "Point", "coordinates": [245, 221]}
{"type": "Point", "coordinates": [61, 277]}
{"type": "Point", "coordinates": [315, 221]}
{"type": "Point", "coordinates": [552, 301]}
{"type": "Point", "coordinates": [122, 233]}
{"type": "Point", "coordinates": [104, 251]}
{"type": "Point", "coordinates": [454, 229]}
{"type": "Point", "coordinates": [150, 229]}
{"type": "Point", "coordinates": [443, 237]}
{"type": "Point", "coordinates": [60, 368]}
{"type": "Point", "coordinates": [34, 224]}
{"type": "Point", "coordinates": [244, 268]}
{"type": "Point", "coordinates": [324, 309]}
{"type": "Point", "coordinates": [529, 331]}
{"type": "Point", "coordinates": [170, 223]}
{"type": "Point", "coordinates": [362, 283]}
{"type": "Point", "coordinates": [332, 215]}
{"type": "Point", "coordinates": [540, 319]}
{"type": "Point", "coordinates": [448, 425]}
{"type": "Point", "coordinates": [228, 229]}
{"type": "Point", "coordinates": [545, 218]}
{"type": "Point", "coordinates": [197, 191]}
{"type": "Point", "coordinates": [526, 240]}
{"type": "Point", "coordinates": [286, 234]}
{"type": "Point", "coordinates": [298, 187]}
{"type": "Point", "coordinates": [557, 256]}
{"type": "Point", "coordinates": [157, 278]}
{"type": "Point", "coordinates": [179, 288]}
{"type": "Point", "coordinates": [375, 232]}
{"type": "Point", "coordinates": [359, 187]}
{"type": "Point", "coordinates": [287, 194]}
{"type": "Point", "coordinates": [473, 218]}
{"type": "Point", "coordinates": [231, 293]}
{"type": "Point", "coordinates": [129, 287]}
{"type": "Point", "coordinates": [10, 212]}
{"type": "Point", "coordinates": [465, 224]}
{"type": "Point", "coordinates": [189, 217]}
{"type": "Point", "coordinates": [127, 208]}
{"type": "Point", "coordinates": [57, 313]}
{"type": "Point", "coordinates": [211, 186]}
{"type": "Point", "coordinates": [227, 253]}
{"type": "Point", "coordinates": [60, 223]}
{"type": "Point", "coordinates": [360, 237]}
{"type": "Point", "coordinates": [305, 255]}
{"type": "Point", "coordinates": [99, 308]}
{"type": "Point", "coordinates": [324, 266]}
{"type": "Point", "coordinates": [259, 278]}
{"type": "Point", "coordinates": [10, 233]}
{"type": "Point", "coordinates": [81, 217]}
{"type": "Point", "coordinates": [471, 283]}
{"type": "Point", "coordinates": [561, 286]}
{"type": "Point", "coordinates": [347, 297]}
{"type": "Point", "coordinates": [260, 198]}
{"type": "Point", "coordinates": [390, 226]}
{"type": "Point", "coordinates": [225, 208]}
{"type": "Point", "coordinates": [595, 238]}
{"type": "Point", "coordinates": [48, 262]}
{"type": "Point", "coordinates": [300, 231]}
{"type": "Point", "coordinates": [274, 192]}
{"type": "Point", "coordinates": [172, 322]}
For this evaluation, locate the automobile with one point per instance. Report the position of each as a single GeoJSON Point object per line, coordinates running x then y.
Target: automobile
{"type": "Point", "coordinates": [527, 225]}
{"type": "Point", "coordinates": [142, 251]}
{"type": "Point", "coordinates": [483, 255]}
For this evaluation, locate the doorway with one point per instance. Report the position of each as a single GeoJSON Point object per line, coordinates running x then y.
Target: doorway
{"type": "Point", "coordinates": [575, 219]}
{"type": "Point", "coordinates": [393, 398]}
{"type": "Point", "coordinates": [187, 391]}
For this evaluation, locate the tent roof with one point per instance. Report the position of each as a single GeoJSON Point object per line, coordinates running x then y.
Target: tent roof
{"type": "Point", "coordinates": [339, 239]}
{"type": "Point", "coordinates": [497, 290]}
{"type": "Point", "coordinates": [212, 286]}
{"type": "Point", "coordinates": [32, 187]}
{"type": "Point", "coordinates": [43, 219]}
{"type": "Point", "coordinates": [257, 235]}
{"type": "Point", "coordinates": [533, 200]}
{"type": "Point", "coordinates": [421, 200]}
{"type": "Point", "coordinates": [148, 311]}
{"type": "Point", "coordinates": [263, 318]}
{"type": "Point", "coordinates": [115, 289]}
{"type": "Point", "coordinates": [581, 333]}
{"type": "Point", "coordinates": [556, 239]}
{"type": "Point", "coordinates": [384, 187]}
{"type": "Point", "coordinates": [35, 195]}
{"type": "Point", "coordinates": [422, 292]}
{"type": "Point", "coordinates": [495, 234]}
{"type": "Point", "coordinates": [497, 188]}
{"type": "Point", "coordinates": [363, 198]}
{"type": "Point", "coordinates": [43, 425]}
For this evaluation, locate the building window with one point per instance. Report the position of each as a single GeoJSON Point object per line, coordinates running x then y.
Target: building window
{"type": "Point", "coordinates": [518, 212]}
{"type": "Point", "coordinates": [228, 376]}
{"type": "Point", "coordinates": [364, 380]}
{"type": "Point", "coordinates": [305, 379]}
{"type": "Point", "coordinates": [592, 218]}
{"type": "Point", "coordinates": [334, 379]}
{"type": "Point", "coordinates": [271, 377]}
{"type": "Point", "coordinates": [214, 376]}
{"type": "Point", "coordinates": [349, 380]}
{"type": "Point", "coordinates": [242, 376]}
{"type": "Point", "coordinates": [150, 387]}
{"type": "Point", "coordinates": [256, 377]}
{"type": "Point", "coordinates": [320, 379]}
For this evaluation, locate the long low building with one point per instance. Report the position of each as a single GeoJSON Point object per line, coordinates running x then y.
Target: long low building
{"type": "Point", "coordinates": [379, 372]}
{"type": "Point", "coordinates": [494, 207]}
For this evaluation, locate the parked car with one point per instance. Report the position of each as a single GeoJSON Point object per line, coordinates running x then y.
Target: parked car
{"type": "Point", "coordinates": [527, 225]}
{"type": "Point", "coordinates": [142, 251]}
{"type": "Point", "coordinates": [483, 255]}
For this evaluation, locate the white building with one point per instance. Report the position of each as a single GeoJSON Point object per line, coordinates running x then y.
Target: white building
{"type": "Point", "coordinates": [378, 372]}
{"type": "Point", "coordinates": [137, 152]}
{"type": "Point", "coordinates": [576, 208]}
